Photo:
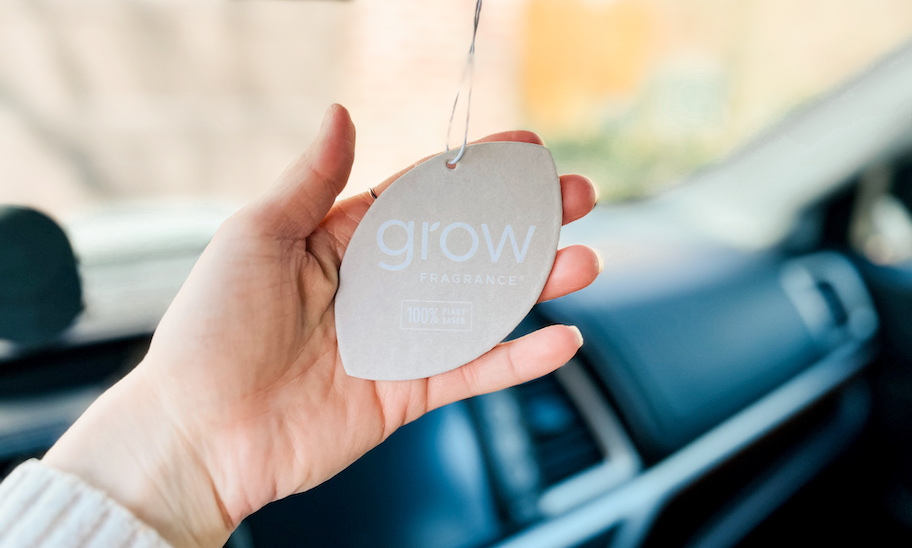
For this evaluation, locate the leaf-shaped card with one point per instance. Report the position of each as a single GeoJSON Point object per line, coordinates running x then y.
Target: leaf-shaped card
{"type": "Point", "coordinates": [447, 262]}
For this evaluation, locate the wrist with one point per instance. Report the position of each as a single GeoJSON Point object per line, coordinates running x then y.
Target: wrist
{"type": "Point", "coordinates": [126, 446]}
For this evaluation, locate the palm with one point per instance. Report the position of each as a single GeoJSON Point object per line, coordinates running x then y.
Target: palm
{"type": "Point", "coordinates": [253, 337]}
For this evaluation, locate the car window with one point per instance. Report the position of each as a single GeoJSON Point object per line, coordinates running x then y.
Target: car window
{"type": "Point", "coordinates": [105, 103]}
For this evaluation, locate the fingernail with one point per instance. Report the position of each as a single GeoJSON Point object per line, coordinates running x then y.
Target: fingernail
{"type": "Point", "coordinates": [596, 189]}
{"type": "Point", "coordinates": [579, 336]}
{"type": "Point", "coordinates": [327, 116]}
{"type": "Point", "coordinates": [601, 263]}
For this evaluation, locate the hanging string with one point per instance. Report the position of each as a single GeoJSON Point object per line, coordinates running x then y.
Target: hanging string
{"type": "Point", "coordinates": [467, 76]}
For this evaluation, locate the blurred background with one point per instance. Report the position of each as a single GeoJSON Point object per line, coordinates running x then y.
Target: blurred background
{"type": "Point", "coordinates": [140, 125]}
{"type": "Point", "coordinates": [132, 104]}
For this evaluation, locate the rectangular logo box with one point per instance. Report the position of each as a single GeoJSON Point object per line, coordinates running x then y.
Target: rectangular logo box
{"type": "Point", "coordinates": [436, 315]}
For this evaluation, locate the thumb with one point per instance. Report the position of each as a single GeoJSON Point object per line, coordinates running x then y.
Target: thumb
{"type": "Point", "coordinates": [305, 191]}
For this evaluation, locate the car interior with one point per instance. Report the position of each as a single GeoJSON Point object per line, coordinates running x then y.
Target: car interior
{"type": "Point", "coordinates": [746, 376]}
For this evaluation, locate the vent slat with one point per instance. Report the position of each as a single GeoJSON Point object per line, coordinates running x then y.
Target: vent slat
{"type": "Point", "coordinates": [561, 441]}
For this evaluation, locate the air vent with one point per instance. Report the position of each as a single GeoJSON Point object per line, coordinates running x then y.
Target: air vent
{"type": "Point", "coordinates": [560, 440]}
{"type": "Point", "coordinates": [534, 438]}
{"type": "Point", "coordinates": [830, 297]}
{"type": "Point", "coordinates": [833, 303]}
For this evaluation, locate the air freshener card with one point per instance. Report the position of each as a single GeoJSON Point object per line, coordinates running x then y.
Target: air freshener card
{"type": "Point", "coordinates": [447, 262]}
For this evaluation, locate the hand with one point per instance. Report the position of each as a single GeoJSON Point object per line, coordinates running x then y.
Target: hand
{"type": "Point", "coordinates": [242, 398]}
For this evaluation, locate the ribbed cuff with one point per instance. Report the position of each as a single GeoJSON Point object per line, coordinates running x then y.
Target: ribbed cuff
{"type": "Point", "coordinates": [43, 507]}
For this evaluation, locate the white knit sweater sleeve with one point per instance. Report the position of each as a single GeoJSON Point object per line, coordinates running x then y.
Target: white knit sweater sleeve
{"type": "Point", "coordinates": [42, 507]}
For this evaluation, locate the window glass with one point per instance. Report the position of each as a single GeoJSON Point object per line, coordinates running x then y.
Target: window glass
{"type": "Point", "coordinates": [112, 102]}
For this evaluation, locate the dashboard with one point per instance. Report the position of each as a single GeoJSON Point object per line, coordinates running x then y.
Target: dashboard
{"type": "Point", "coordinates": [693, 360]}
{"type": "Point", "coordinates": [671, 386]}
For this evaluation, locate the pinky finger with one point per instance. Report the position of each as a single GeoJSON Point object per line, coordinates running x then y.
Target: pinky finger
{"type": "Point", "coordinates": [508, 364]}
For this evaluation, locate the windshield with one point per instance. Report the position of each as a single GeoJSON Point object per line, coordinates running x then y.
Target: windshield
{"type": "Point", "coordinates": [108, 103]}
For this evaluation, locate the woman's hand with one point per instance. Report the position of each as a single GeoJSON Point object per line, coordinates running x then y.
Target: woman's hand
{"type": "Point", "coordinates": [242, 398]}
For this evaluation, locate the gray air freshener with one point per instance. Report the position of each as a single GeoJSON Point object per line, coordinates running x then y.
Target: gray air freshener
{"type": "Point", "coordinates": [447, 262]}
